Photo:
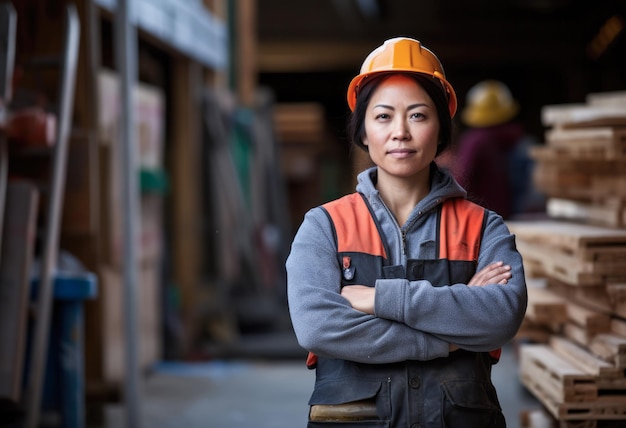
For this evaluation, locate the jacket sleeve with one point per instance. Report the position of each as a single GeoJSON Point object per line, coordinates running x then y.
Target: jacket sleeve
{"type": "Point", "coordinates": [476, 318]}
{"type": "Point", "coordinates": [326, 324]}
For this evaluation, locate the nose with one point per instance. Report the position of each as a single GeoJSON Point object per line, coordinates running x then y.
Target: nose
{"type": "Point", "coordinates": [400, 131]}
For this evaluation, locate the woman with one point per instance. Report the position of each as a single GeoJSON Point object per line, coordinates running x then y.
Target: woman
{"type": "Point", "coordinates": [404, 291]}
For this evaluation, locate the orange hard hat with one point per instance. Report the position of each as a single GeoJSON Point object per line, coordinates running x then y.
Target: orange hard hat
{"type": "Point", "coordinates": [402, 54]}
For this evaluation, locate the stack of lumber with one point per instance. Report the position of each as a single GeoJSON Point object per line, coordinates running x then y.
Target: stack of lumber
{"type": "Point", "coordinates": [573, 359]}
{"type": "Point", "coordinates": [301, 129]}
{"type": "Point", "coordinates": [582, 167]}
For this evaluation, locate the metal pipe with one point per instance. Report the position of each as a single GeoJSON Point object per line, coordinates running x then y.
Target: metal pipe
{"type": "Point", "coordinates": [126, 57]}
{"type": "Point", "coordinates": [54, 211]}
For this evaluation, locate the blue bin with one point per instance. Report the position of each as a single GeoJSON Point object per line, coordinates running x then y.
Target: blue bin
{"type": "Point", "coordinates": [64, 386]}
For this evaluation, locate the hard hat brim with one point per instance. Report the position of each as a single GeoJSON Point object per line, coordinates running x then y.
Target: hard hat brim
{"type": "Point", "coordinates": [356, 82]}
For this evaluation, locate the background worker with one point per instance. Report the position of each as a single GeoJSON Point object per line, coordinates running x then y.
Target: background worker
{"type": "Point", "coordinates": [492, 160]}
{"type": "Point", "coordinates": [404, 291]}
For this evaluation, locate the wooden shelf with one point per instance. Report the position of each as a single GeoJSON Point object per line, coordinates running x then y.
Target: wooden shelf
{"type": "Point", "coordinates": [181, 24]}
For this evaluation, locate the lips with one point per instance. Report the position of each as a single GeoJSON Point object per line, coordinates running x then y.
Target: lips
{"type": "Point", "coordinates": [401, 152]}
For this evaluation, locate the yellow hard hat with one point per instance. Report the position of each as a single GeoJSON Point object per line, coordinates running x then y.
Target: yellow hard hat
{"type": "Point", "coordinates": [489, 103]}
{"type": "Point", "coordinates": [402, 54]}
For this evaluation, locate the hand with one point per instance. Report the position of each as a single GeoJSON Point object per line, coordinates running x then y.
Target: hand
{"type": "Point", "coordinates": [361, 297]}
{"type": "Point", "coordinates": [495, 273]}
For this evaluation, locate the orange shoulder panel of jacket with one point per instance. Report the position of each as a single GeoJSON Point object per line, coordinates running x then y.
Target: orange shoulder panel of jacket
{"type": "Point", "coordinates": [355, 227]}
{"type": "Point", "coordinates": [461, 230]}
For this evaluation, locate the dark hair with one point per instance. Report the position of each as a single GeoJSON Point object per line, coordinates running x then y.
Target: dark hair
{"type": "Point", "coordinates": [356, 122]}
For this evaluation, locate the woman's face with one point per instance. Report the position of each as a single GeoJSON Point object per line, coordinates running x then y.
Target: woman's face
{"type": "Point", "coordinates": [401, 128]}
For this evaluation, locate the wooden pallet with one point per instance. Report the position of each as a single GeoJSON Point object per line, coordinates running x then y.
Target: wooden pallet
{"type": "Point", "coordinates": [575, 253]}
{"type": "Point", "coordinates": [609, 378]}
{"type": "Point", "coordinates": [569, 267]}
{"type": "Point", "coordinates": [596, 143]}
{"type": "Point", "coordinates": [553, 378]}
{"type": "Point", "coordinates": [588, 362]}
{"type": "Point", "coordinates": [567, 392]}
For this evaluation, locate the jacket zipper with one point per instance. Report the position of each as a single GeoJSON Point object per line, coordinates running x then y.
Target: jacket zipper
{"type": "Point", "coordinates": [403, 232]}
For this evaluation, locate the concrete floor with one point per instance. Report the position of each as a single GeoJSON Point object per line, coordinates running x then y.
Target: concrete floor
{"type": "Point", "coordinates": [261, 388]}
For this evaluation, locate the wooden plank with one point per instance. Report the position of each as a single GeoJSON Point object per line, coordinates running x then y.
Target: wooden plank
{"type": "Point", "coordinates": [541, 418]}
{"type": "Point", "coordinates": [578, 424]}
{"type": "Point", "coordinates": [553, 157]}
{"type": "Point", "coordinates": [581, 357]}
{"type": "Point", "coordinates": [573, 237]}
{"type": "Point", "coordinates": [588, 415]}
{"type": "Point", "coordinates": [596, 142]}
{"type": "Point", "coordinates": [565, 266]}
{"type": "Point", "coordinates": [618, 326]}
{"type": "Point", "coordinates": [562, 184]}
{"type": "Point", "coordinates": [612, 381]}
{"type": "Point", "coordinates": [582, 115]}
{"type": "Point", "coordinates": [186, 170]}
{"type": "Point", "coordinates": [576, 333]}
{"type": "Point", "coordinates": [608, 99]}
{"type": "Point", "coordinates": [554, 264]}
{"type": "Point", "coordinates": [299, 113]}
{"type": "Point", "coordinates": [80, 203]}
{"type": "Point", "coordinates": [596, 297]}
{"type": "Point", "coordinates": [543, 369]}
{"type": "Point", "coordinates": [569, 236]}
{"type": "Point", "coordinates": [610, 347]}
{"type": "Point", "coordinates": [590, 212]}
{"type": "Point", "coordinates": [246, 51]}
{"type": "Point", "coordinates": [579, 254]}
{"type": "Point", "coordinates": [17, 254]}
{"type": "Point", "coordinates": [533, 333]}
{"type": "Point", "coordinates": [609, 182]}
{"type": "Point", "coordinates": [603, 215]}
{"type": "Point", "coordinates": [562, 208]}
{"type": "Point", "coordinates": [301, 124]}
{"type": "Point", "coordinates": [616, 291]}
{"type": "Point", "coordinates": [536, 418]}
{"type": "Point", "coordinates": [591, 321]}
{"type": "Point", "coordinates": [599, 180]}
{"type": "Point", "coordinates": [545, 306]}
{"type": "Point", "coordinates": [611, 408]}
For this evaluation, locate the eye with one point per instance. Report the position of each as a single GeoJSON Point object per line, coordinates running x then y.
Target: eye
{"type": "Point", "coordinates": [418, 116]}
{"type": "Point", "coordinates": [382, 116]}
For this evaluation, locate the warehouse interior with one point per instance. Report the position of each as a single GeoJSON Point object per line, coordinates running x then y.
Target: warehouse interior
{"type": "Point", "coordinates": [236, 112]}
